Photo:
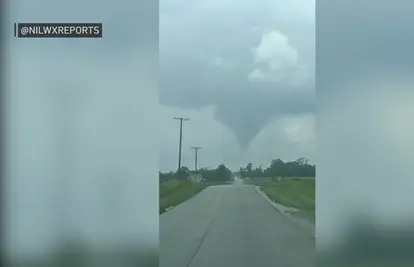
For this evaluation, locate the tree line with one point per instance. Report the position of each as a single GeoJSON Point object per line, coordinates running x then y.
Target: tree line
{"type": "Point", "coordinates": [219, 174]}
{"type": "Point", "coordinates": [277, 168]}
{"type": "Point", "coordinates": [280, 168]}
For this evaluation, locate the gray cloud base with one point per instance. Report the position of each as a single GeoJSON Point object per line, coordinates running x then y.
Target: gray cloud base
{"type": "Point", "coordinates": [194, 36]}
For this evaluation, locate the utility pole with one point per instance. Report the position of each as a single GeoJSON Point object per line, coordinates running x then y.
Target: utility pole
{"type": "Point", "coordinates": [196, 148]}
{"type": "Point", "coordinates": [181, 139]}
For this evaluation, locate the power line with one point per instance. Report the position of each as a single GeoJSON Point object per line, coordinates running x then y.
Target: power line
{"type": "Point", "coordinates": [196, 148]}
{"type": "Point", "coordinates": [181, 139]}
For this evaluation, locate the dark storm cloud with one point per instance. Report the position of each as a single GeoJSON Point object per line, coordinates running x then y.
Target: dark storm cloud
{"type": "Point", "coordinates": [206, 56]}
{"type": "Point", "coordinates": [245, 107]}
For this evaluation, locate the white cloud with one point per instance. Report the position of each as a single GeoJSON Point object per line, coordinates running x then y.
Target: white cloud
{"type": "Point", "coordinates": [217, 24]}
{"type": "Point", "coordinates": [276, 60]}
{"type": "Point", "coordinates": [275, 50]}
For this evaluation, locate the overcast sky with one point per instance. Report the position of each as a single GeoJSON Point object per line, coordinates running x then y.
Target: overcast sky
{"type": "Point", "coordinates": [243, 71]}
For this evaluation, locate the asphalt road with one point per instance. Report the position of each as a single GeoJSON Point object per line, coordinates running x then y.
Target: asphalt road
{"type": "Point", "coordinates": [232, 226]}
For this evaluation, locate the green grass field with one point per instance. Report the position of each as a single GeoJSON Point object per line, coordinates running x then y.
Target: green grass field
{"type": "Point", "coordinates": [175, 192]}
{"type": "Point", "coordinates": [299, 194]}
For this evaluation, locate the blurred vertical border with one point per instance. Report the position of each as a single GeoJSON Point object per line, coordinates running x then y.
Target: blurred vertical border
{"type": "Point", "coordinates": [146, 257]}
{"type": "Point", "coordinates": [365, 129]}
{"type": "Point", "coordinates": [3, 109]}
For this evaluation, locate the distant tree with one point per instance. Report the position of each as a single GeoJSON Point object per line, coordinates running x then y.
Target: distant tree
{"type": "Point", "coordinates": [297, 168]}
{"type": "Point", "coordinates": [223, 173]}
{"type": "Point", "coordinates": [183, 173]}
{"type": "Point", "coordinates": [302, 161]}
{"type": "Point", "coordinates": [277, 168]}
{"type": "Point", "coordinates": [258, 172]}
{"type": "Point", "coordinates": [220, 174]}
{"type": "Point", "coordinates": [164, 177]}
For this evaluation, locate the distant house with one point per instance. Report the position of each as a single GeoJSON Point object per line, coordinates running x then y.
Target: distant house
{"type": "Point", "coordinates": [196, 177]}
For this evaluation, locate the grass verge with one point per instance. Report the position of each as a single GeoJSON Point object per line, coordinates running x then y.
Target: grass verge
{"type": "Point", "coordinates": [175, 192]}
{"type": "Point", "coordinates": [299, 194]}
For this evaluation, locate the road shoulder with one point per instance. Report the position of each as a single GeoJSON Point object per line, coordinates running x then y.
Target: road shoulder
{"type": "Point", "coordinates": [287, 212]}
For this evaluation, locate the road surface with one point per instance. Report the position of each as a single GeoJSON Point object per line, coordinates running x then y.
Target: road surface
{"type": "Point", "coordinates": [232, 226]}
